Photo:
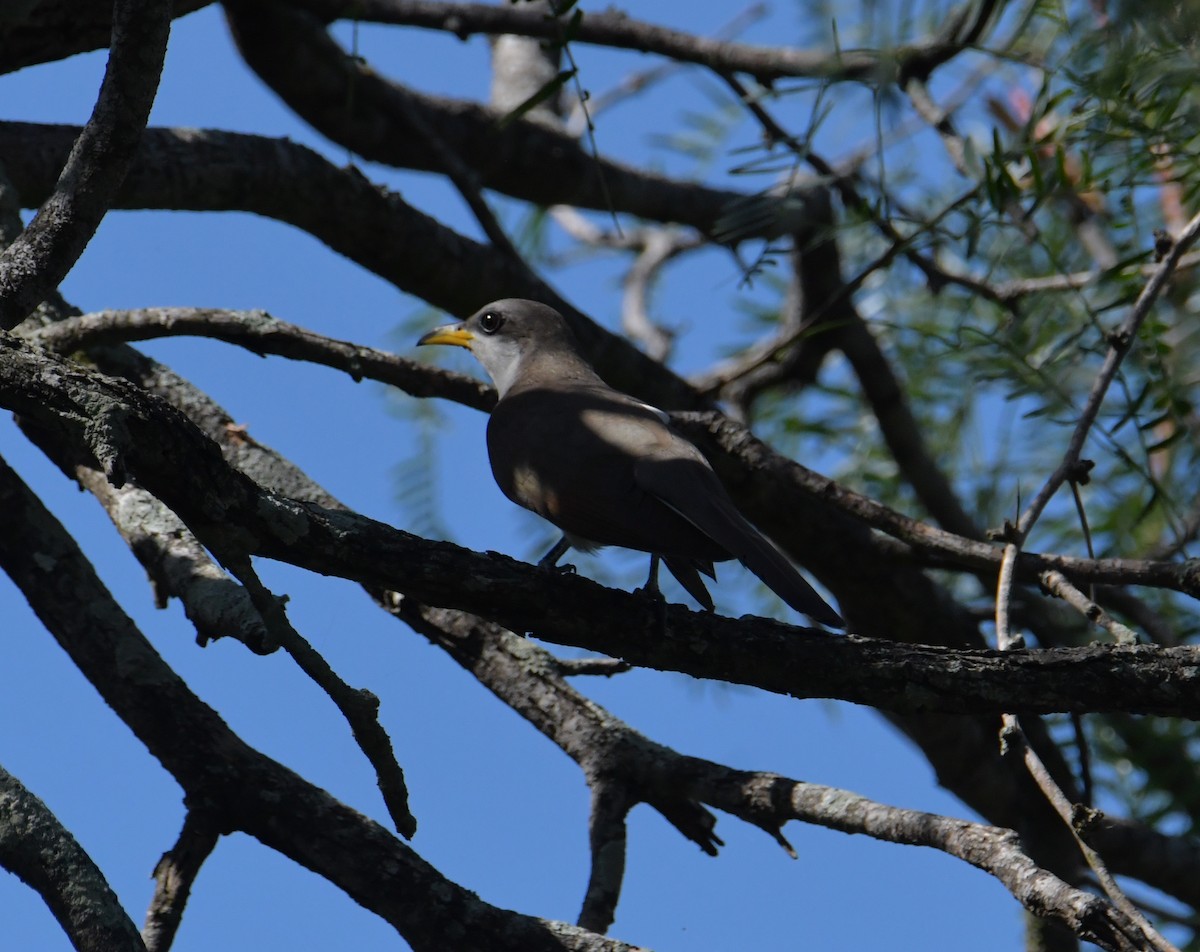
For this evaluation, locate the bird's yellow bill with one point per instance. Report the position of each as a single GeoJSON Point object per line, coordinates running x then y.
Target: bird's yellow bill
{"type": "Point", "coordinates": [454, 334]}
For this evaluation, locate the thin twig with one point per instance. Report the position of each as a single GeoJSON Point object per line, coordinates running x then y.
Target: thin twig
{"type": "Point", "coordinates": [1120, 341]}
{"type": "Point", "coordinates": [1057, 584]}
{"type": "Point", "coordinates": [1006, 640]}
{"type": "Point", "coordinates": [359, 707]}
{"type": "Point", "coordinates": [1064, 808]}
{"type": "Point", "coordinates": [618, 29]}
{"type": "Point", "coordinates": [260, 333]}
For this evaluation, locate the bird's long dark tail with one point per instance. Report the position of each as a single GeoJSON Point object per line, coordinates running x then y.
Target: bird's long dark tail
{"type": "Point", "coordinates": [695, 493]}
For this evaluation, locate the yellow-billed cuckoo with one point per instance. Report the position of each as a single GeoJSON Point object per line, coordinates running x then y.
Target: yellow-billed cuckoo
{"type": "Point", "coordinates": [604, 467]}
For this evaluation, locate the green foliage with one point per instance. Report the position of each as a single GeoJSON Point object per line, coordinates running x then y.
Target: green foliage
{"type": "Point", "coordinates": [1082, 142]}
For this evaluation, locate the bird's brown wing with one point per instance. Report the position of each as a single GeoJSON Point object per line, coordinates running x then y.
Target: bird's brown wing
{"type": "Point", "coordinates": [694, 492]}
{"type": "Point", "coordinates": [571, 457]}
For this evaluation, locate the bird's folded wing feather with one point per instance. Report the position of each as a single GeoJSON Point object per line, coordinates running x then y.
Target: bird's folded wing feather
{"type": "Point", "coordinates": [691, 489]}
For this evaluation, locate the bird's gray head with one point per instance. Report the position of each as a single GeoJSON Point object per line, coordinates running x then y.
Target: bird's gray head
{"type": "Point", "coordinates": [506, 334]}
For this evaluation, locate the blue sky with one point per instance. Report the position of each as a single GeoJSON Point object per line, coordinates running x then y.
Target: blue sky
{"type": "Point", "coordinates": [501, 810]}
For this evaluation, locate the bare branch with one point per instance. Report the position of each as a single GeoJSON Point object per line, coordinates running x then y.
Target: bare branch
{"type": "Point", "coordinates": [131, 434]}
{"type": "Point", "coordinates": [606, 838]}
{"type": "Point", "coordinates": [1057, 584]}
{"type": "Point", "coordinates": [241, 788]}
{"type": "Point", "coordinates": [993, 850]}
{"type": "Point", "coordinates": [1120, 341]}
{"type": "Point", "coordinates": [35, 847]}
{"type": "Point", "coordinates": [654, 247]}
{"type": "Point", "coordinates": [360, 708]}
{"type": "Point", "coordinates": [617, 29]}
{"type": "Point", "coordinates": [261, 333]}
{"type": "Point", "coordinates": [1062, 805]}
{"type": "Point", "coordinates": [624, 767]}
{"type": "Point", "coordinates": [1006, 638]}
{"type": "Point", "coordinates": [37, 261]}
{"type": "Point", "coordinates": [174, 875]}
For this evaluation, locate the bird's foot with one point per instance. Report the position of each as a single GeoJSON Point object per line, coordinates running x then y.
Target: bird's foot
{"type": "Point", "coordinates": [562, 569]}
{"type": "Point", "coordinates": [653, 593]}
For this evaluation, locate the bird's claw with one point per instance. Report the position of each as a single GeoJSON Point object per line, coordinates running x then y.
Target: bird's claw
{"type": "Point", "coordinates": [654, 593]}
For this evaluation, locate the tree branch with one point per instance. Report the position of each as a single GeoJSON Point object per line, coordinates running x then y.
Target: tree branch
{"type": "Point", "coordinates": [243, 789]}
{"type": "Point", "coordinates": [174, 875]}
{"type": "Point", "coordinates": [55, 29]}
{"type": "Point", "coordinates": [36, 848]}
{"type": "Point", "coordinates": [360, 708]}
{"type": "Point", "coordinates": [617, 29]}
{"type": "Point", "coordinates": [262, 334]}
{"type": "Point", "coordinates": [37, 261]}
{"type": "Point", "coordinates": [131, 434]}
{"type": "Point", "coordinates": [624, 767]}
{"type": "Point", "coordinates": [1120, 341]}
{"type": "Point", "coordinates": [218, 171]}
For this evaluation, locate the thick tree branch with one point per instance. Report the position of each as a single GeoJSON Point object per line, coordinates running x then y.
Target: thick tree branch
{"type": "Point", "coordinates": [132, 435]}
{"type": "Point", "coordinates": [218, 171]}
{"type": "Point", "coordinates": [55, 29]}
{"type": "Point", "coordinates": [263, 334]}
{"type": "Point", "coordinates": [623, 766]}
{"type": "Point", "coordinates": [241, 788]}
{"type": "Point", "coordinates": [38, 850]}
{"type": "Point", "coordinates": [293, 54]}
{"type": "Point", "coordinates": [34, 264]}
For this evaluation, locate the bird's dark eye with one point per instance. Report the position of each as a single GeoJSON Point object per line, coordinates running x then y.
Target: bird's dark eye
{"type": "Point", "coordinates": [490, 321]}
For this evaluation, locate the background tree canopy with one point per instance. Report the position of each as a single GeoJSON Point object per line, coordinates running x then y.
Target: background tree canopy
{"type": "Point", "coordinates": [918, 279]}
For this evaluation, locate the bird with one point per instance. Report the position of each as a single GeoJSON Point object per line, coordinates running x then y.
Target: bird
{"type": "Point", "coordinates": [604, 467]}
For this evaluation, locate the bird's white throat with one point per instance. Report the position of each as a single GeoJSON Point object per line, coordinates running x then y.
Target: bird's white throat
{"type": "Point", "coordinates": [500, 357]}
